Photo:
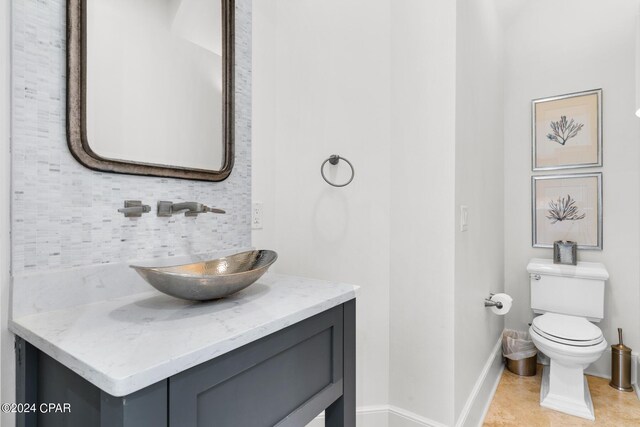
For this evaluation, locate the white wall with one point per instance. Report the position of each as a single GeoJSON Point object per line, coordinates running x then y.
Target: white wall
{"type": "Point", "coordinates": [479, 184]}
{"type": "Point", "coordinates": [423, 79]}
{"type": "Point", "coordinates": [561, 47]}
{"type": "Point", "coordinates": [6, 338]}
{"type": "Point", "coordinates": [385, 97]}
{"type": "Point", "coordinates": [321, 86]}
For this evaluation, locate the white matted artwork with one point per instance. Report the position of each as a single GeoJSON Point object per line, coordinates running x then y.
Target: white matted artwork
{"type": "Point", "coordinates": [567, 207]}
{"type": "Point", "coordinates": [567, 131]}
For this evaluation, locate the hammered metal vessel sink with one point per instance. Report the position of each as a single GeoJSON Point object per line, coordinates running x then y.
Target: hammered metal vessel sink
{"type": "Point", "coordinates": [208, 280]}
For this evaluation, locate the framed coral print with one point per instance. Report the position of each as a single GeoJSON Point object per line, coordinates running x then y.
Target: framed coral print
{"type": "Point", "coordinates": [567, 207]}
{"type": "Point", "coordinates": [566, 131]}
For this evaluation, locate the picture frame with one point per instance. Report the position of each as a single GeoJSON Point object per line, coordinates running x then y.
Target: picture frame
{"type": "Point", "coordinates": [567, 207]}
{"type": "Point", "coordinates": [566, 131]}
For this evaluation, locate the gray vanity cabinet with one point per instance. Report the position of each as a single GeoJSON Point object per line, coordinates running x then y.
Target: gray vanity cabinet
{"type": "Point", "coordinates": [284, 379]}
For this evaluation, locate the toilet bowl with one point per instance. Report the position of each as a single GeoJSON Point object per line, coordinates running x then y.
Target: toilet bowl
{"type": "Point", "coordinates": [572, 343]}
{"type": "Point", "coordinates": [568, 299]}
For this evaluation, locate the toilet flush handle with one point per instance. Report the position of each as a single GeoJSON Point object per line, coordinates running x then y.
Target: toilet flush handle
{"type": "Point", "coordinates": [535, 276]}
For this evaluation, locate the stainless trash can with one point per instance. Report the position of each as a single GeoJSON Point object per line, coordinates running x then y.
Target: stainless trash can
{"type": "Point", "coordinates": [519, 352]}
{"type": "Point", "coordinates": [523, 367]}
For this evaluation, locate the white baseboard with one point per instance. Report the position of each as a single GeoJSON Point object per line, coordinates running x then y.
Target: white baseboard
{"type": "Point", "coordinates": [479, 400]}
{"type": "Point", "coordinates": [399, 417]}
{"type": "Point", "coordinates": [637, 383]}
{"type": "Point", "coordinates": [384, 416]}
{"type": "Point", "coordinates": [635, 364]}
{"type": "Point", "coordinates": [368, 416]}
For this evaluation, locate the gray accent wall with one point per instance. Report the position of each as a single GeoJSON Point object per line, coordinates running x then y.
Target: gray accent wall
{"type": "Point", "coordinates": [65, 215]}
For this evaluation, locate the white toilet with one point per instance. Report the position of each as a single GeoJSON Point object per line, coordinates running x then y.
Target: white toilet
{"type": "Point", "coordinates": [569, 299]}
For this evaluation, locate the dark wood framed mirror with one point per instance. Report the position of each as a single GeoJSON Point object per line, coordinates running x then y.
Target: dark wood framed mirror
{"type": "Point", "coordinates": [123, 127]}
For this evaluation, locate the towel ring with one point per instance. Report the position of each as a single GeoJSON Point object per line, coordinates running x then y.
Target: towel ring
{"type": "Point", "coordinates": [334, 159]}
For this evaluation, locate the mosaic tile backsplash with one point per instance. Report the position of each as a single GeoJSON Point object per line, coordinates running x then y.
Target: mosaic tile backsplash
{"type": "Point", "coordinates": [64, 215]}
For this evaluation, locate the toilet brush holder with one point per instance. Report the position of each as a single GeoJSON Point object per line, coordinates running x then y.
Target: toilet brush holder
{"type": "Point", "coordinates": [621, 365]}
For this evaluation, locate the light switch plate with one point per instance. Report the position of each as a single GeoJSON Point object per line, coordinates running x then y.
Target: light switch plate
{"type": "Point", "coordinates": [256, 215]}
{"type": "Point", "coordinates": [464, 218]}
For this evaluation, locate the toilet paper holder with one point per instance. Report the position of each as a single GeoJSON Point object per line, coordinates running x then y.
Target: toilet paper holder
{"type": "Point", "coordinates": [488, 302]}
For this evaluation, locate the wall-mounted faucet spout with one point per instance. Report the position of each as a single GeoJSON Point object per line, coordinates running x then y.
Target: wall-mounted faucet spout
{"type": "Point", "coordinates": [166, 209]}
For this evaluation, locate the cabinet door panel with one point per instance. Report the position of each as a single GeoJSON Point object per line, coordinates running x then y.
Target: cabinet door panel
{"type": "Point", "coordinates": [264, 382]}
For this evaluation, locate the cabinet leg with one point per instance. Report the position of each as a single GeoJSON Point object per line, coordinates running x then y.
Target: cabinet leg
{"type": "Point", "coordinates": [26, 381]}
{"type": "Point", "coordinates": [342, 412]}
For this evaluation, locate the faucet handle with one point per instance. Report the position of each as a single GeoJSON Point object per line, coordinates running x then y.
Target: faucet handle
{"type": "Point", "coordinates": [134, 209]}
{"type": "Point", "coordinates": [164, 208]}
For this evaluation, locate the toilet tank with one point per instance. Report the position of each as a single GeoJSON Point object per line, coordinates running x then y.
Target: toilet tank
{"type": "Point", "coordinates": [576, 290]}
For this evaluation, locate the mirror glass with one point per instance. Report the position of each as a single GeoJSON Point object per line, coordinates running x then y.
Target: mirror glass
{"type": "Point", "coordinates": [154, 78]}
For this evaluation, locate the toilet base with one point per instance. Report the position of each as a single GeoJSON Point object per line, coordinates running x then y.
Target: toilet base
{"type": "Point", "coordinates": [565, 389]}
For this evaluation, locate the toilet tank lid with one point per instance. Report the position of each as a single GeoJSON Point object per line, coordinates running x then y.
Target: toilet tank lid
{"type": "Point", "coordinates": [584, 270]}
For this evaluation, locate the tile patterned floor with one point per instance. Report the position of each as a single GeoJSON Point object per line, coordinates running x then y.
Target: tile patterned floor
{"type": "Point", "coordinates": [516, 403]}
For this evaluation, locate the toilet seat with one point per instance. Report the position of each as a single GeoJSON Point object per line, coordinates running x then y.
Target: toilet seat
{"type": "Point", "coordinates": [568, 330]}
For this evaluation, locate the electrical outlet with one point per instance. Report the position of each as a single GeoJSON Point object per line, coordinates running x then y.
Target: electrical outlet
{"type": "Point", "coordinates": [464, 218]}
{"type": "Point", "coordinates": [256, 215]}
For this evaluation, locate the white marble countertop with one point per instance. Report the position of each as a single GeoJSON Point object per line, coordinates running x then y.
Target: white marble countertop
{"type": "Point", "coordinates": [124, 344]}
